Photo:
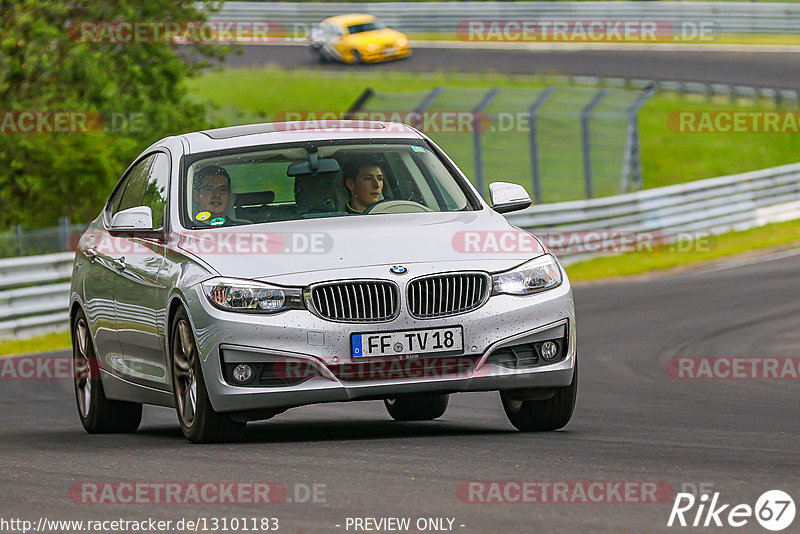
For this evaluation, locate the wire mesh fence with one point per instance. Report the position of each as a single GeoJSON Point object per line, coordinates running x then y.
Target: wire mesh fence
{"type": "Point", "coordinates": [560, 142]}
{"type": "Point", "coordinates": [32, 242]}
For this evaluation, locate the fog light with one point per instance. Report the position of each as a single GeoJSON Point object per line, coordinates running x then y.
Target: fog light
{"type": "Point", "coordinates": [242, 373]}
{"type": "Point", "coordinates": [549, 350]}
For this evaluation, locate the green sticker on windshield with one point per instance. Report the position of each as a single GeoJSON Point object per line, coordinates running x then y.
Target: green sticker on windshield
{"type": "Point", "coordinates": [217, 221]}
{"type": "Point", "coordinates": [417, 149]}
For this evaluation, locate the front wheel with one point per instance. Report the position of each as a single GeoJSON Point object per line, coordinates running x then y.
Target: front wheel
{"type": "Point", "coordinates": [417, 407]}
{"type": "Point", "coordinates": [542, 415]}
{"type": "Point", "coordinates": [199, 422]}
{"type": "Point", "coordinates": [98, 414]}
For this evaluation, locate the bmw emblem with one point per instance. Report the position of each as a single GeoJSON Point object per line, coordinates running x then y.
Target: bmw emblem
{"type": "Point", "coordinates": [398, 269]}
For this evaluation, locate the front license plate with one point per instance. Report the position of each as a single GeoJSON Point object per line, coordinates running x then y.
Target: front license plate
{"type": "Point", "coordinates": [448, 340]}
{"type": "Point", "coordinates": [389, 51]}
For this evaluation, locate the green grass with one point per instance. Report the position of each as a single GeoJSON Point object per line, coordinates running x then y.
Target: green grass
{"type": "Point", "coordinates": [776, 235]}
{"type": "Point", "coordinates": [668, 157]}
{"type": "Point", "coordinates": [45, 343]}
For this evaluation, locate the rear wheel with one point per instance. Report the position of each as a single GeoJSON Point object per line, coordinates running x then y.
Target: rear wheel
{"type": "Point", "coordinates": [417, 407]}
{"type": "Point", "coordinates": [199, 422]}
{"type": "Point", "coordinates": [542, 415]}
{"type": "Point", "coordinates": [98, 414]}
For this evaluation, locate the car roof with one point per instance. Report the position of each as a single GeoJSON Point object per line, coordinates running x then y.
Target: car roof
{"type": "Point", "coordinates": [295, 131]}
{"type": "Point", "coordinates": [351, 18]}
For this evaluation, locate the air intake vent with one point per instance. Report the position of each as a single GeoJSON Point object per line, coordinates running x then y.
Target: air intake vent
{"type": "Point", "coordinates": [357, 301]}
{"type": "Point", "coordinates": [447, 294]}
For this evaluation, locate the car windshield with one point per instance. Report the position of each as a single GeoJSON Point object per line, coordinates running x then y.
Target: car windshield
{"type": "Point", "coordinates": [318, 180]}
{"type": "Point", "coordinates": [365, 27]}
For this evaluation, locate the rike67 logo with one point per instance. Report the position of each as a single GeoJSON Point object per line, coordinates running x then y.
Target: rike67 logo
{"type": "Point", "coordinates": [774, 510]}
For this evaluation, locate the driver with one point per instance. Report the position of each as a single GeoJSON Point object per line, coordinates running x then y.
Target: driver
{"type": "Point", "coordinates": [363, 177]}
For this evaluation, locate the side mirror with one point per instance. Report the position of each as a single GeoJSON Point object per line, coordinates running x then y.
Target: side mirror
{"type": "Point", "coordinates": [507, 197]}
{"type": "Point", "coordinates": [132, 219]}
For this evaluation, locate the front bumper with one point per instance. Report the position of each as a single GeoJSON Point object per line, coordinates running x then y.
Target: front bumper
{"type": "Point", "coordinates": [298, 335]}
{"type": "Point", "coordinates": [378, 56]}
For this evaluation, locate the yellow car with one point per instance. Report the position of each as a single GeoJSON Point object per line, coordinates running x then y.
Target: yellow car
{"type": "Point", "coordinates": [357, 39]}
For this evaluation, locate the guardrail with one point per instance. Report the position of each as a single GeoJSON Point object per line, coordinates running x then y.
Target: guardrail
{"type": "Point", "coordinates": [726, 17]}
{"type": "Point", "coordinates": [34, 294]}
{"type": "Point", "coordinates": [34, 291]}
{"type": "Point", "coordinates": [716, 205]}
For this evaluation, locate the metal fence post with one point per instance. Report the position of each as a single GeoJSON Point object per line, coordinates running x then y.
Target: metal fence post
{"type": "Point", "coordinates": [586, 113]}
{"type": "Point", "coordinates": [359, 103]}
{"type": "Point", "coordinates": [63, 233]}
{"type": "Point", "coordinates": [424, 105]}
{"type": "Point", "coordinates": [633, 154]}
{"type": "Point", "coordinates": [476, 137]}
{"type": "Point", "coordinates": [19, 240]}
{"type": "Point", "coordinates": [533, 115]}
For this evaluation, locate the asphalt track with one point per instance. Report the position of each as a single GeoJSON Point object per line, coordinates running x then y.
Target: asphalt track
{"type": "Point", "coordinates": [768, 69]}
{"type": "Point", "coordinates": [633, 423]}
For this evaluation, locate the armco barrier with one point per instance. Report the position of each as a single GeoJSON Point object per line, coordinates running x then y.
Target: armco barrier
{"type": "Point", "coordinates": [34, 294]}
{"type": "Point", "coordinates": [34, 290]}
{"type": "Point", "coordinates": [717, 205]}
{"type": "Point", "coordinates": [726, 17]}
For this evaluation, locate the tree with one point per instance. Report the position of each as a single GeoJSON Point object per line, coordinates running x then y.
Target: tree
{"type": "Point", "coordinates": [45, 67]}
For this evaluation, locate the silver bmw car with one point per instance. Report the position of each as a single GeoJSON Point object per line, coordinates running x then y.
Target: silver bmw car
{"type": "Point", "coordinates": [239, 272]}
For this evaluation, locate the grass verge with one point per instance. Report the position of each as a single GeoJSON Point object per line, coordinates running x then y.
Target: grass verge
{"type": "Point", "coordinates": [776, 235]}
{"type": "Point", "coordinates": [44, 343]}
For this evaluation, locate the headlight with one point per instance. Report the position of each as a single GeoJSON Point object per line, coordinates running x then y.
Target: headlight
{"type": "Point", "coordinates": [401, 42]}
{"type": "Point", "coordinates": [532, 277]}
{"type": "Point", "coordinates": [250, 296]}
{"type": "Point", "coordinates": [372, 47]}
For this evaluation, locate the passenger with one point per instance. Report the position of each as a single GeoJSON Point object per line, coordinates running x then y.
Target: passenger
{"type": "Point", "coordinates": [363, 177]}
{"type": "Point", "coordinates": [212, 193]}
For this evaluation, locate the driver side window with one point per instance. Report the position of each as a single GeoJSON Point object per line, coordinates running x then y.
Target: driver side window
{"type": "Point", "coordinates": [146, 185]}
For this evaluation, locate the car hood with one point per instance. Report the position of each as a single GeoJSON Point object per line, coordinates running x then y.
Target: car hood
{"type": "Point", "coordinates": [481, 240]}
{"type": "Point", "coordinates": [382, 37]}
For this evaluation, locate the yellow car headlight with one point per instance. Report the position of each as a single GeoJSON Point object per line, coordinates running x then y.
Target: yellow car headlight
{"type": "Point", "coordinates": [401, 42]}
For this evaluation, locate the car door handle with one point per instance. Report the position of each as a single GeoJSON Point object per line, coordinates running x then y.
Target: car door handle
{"type": "Point", "coordinates": [119, 263]}
{"type": "Point", "coordinates": [90, 253]}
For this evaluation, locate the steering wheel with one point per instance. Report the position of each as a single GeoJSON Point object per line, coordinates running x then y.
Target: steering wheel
{"type": "Point", "coordinates": [397, 206]}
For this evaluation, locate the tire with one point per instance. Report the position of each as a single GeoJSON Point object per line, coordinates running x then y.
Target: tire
{"type": "Point", "coordinates": [543, 415]}
{"type": "Point", "coordinates": [356, 57]}
{"type": "Point", "coordinates": [319, 55]}
{"type": "Point", "coordinates": [199, 422]}
{"type": "Point", "coordinates": [417, 407]}
{"type": "Point", "coordinates": [98, 414]}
